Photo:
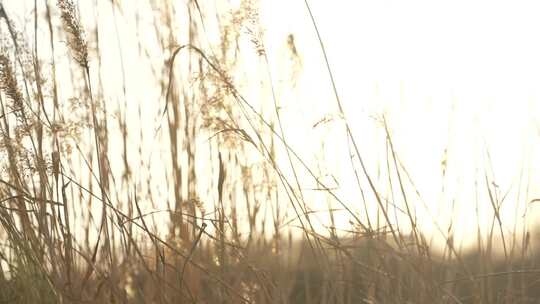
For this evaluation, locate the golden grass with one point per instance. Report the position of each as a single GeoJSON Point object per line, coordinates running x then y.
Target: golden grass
{"type": "Point", "coordinates": [59, 160]}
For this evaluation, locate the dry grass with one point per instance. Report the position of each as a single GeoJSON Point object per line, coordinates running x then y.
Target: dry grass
{"type": "Point", "coordinates": [82, 218]}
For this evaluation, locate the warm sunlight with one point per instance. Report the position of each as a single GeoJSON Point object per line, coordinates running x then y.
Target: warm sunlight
{"type": "Point", "coordinates": [270, 151]}
{"type": "Point", "coordinates": [457, 82]}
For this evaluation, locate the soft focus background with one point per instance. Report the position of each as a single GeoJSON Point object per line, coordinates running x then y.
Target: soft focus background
{"type": "Point", "coordinates": [272, 151]}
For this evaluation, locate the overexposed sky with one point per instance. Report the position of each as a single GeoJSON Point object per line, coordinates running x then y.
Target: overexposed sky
{"type": "Point", "coordinates": [457, 81]}
{"type": "Point", "coordinates": [460, 76]}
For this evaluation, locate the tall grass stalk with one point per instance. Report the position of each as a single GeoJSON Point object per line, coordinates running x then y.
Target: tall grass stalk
{"type": "Point", "coordinates": [186, 187]}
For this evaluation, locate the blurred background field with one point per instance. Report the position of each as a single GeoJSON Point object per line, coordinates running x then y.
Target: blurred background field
{"type": "Point", "coordinates": [268, 152]}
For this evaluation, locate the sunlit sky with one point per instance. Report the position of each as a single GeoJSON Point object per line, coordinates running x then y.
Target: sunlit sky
{"type": "Point", "coordinates": [455, 76]}
{"type": "Point", "coordinates": [461, 75]}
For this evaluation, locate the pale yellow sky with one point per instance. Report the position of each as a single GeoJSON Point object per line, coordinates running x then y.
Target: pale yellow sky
{"type": "Point", "coordinates": [457, 75]}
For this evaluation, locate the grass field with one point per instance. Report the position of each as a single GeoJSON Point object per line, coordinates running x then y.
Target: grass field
{"type": "Point", "coordinates": [144, 158]}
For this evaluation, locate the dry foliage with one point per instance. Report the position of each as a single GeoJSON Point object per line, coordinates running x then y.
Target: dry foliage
{"type": "Point", "coordinates": [82, 215]}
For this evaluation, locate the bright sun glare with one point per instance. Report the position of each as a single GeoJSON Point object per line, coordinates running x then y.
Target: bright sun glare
{"type": "Point", "coordinates": [458, 82]}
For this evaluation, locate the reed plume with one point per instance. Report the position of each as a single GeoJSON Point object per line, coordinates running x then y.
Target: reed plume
{"type": "Point", "coordinates": [76, 35]}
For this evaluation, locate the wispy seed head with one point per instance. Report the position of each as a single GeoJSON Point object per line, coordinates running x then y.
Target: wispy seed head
{"type": "Point", "coordinates": [73, 27]}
